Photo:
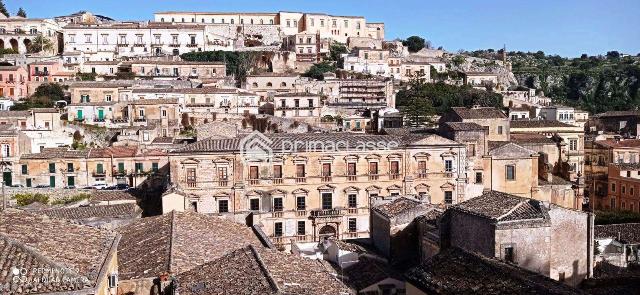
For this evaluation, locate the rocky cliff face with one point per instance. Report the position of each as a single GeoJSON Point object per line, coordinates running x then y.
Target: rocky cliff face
{"type": "Point", "coordinates": [476, 64]}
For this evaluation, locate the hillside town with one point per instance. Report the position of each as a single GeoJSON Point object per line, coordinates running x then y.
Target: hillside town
{"type": "Point", "coordinates": [285, 152]}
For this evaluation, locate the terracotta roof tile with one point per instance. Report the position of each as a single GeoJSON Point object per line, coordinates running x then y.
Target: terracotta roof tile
{"type": "Point", "coordinates": [627, 232]}
{"type": "Point", "coordinates": [129, 210]}
{"type": "Point", "coordinates": [455, 271]}
{"type": "Point", "coordinates": [501, 206]}
{"type": "Point", "coordinates": [177, 242]}
{"type": "Point", "coordinates": [478, 113]}
{"type": "Point", "coordinates": [31, 241]}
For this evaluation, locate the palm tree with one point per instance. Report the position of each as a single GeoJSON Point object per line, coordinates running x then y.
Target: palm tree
{"type": "Point", "coordinates": [40, 43]}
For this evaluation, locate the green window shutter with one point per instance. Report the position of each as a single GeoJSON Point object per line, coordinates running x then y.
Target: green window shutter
{"type": "Point", "coordinates": [28, 182]}
{"type": "Point", "coordinates": [99, 168]}
{"type": "Point", "coordinates": [52, 181]}
{"type": "Point", "coordinates": [121, 167]}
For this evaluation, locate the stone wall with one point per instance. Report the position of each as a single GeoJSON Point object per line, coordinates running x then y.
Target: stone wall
{"type": "Point", "coordinates": [53, 193]}
{"type": "Point", "coordinates": [571, 245]}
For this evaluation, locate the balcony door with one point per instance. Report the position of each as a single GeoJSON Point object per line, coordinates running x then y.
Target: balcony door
{"type": "Point", "coordinates": [327, 201]}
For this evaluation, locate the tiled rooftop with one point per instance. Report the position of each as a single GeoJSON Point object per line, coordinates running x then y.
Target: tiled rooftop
{"type": "Point", "coordinates": [33, 241]}
{"type": "Point", "coordinates": [397, 206]}
{"type": "Point", "coordinates": [612, 143]}
{"type": "Point", "coordinates": [501, 206]}
{"type": "Point", "coordinates": [479, 113]}
{"type": "Point", "coordinates": [627, 166]}
{"type": "Point", "coordinates": [177, 242]}
{"type": "Point", "coordinates": [368, 271]}
{"type": "Point", "coordinates": [455, 271]}
{"type": "Point", "coordinates": [111, 195]}
{"type": "Point", "coordinates": [464, 126]}
{"type": "Point", "coordinates": [257, 270]}
{"type": "Point", "coordinates": [628, 232]}
{"type": "Point", "coordinates": [129, 210]}
{"type": "Point", "coordinates": [530, 138]}
{"type": "Point", "coordinates": [538, 124]}
{"type": "Point", "coordinates": [305, 140]}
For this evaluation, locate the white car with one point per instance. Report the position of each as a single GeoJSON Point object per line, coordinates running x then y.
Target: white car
{"type": "Point", "coordinates": [99, 185]}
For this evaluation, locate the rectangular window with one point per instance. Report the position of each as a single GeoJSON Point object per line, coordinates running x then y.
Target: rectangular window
{"type": "Point", "coordinates": [277, 229]}
{"type": "Point", "coordinates": [353, 200]}
{"type": "Point", "coordinates": [573, 144]}
{"type": "Point", "coordinates": [253, 172]}
{"type": "Point", "coordinates": [326, 169]}
{"type": "Point", "coordinates": [448, 165]}
{"type": "Point", "coordinates": [191, 177]}
{"type": "Point", "coordinates": [351, 169]}
{"type": "Point", "coordinates": [121, 168]}
{"type": "Point", "coordinates": [509, 254]}
{"type": "Point", "coordinates": [24, 170]}
{"type": "Point", "coordinates": [301, 203]}
{"type": "Point", "coordinates": [301, 228]}
{"type": "Point", "coordinates": [422, 168]}
{"type": "Point", "coordinates": [479, 177]}
{"type": "Point", "coordinates": [499, 129]}
{"type": "Point", "coordinates": [395, 168]}
{"type": "Point", "coordinates": [277, 171]}
{"type": "Point", "coordinates": [448, 197]}
{"type": "Point", "coordinates": [277, 204]}
{"type": "Point", "coordinates": [613, 203]}
{"type": "Point", "coordinates": [373, 168]}
{"type": "Point", "coordinates": [99, 168]}
{"type": "Point", "coordinates": [300, 170]}
{"type": "Point", "coordinates": [254, 204]}
{"type": "Point", "coordinates": [223, 206]}
{"type": "Point", "coordinates": [613, 187]}
{"type": "Point", "coordinates": [327, 202]}
{"type": "Point", "coordinates": [353, 225]}
{"type": "Point", "coordinates": [69, 167]}
{"type": "Point", "coordinates": [155, 167]}
{"type": "Point", "coordinates": [510, 172]}
{"type": "Point", "coordinates": [139, 167]}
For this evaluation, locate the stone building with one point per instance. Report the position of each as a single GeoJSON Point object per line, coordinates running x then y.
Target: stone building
{"type": "Point", "coordinates": [618, 244]}
{"type": "Point", "coordinates": [372, 93]}
{"type": "Point", "coordinates": [456, 271]}
{"type": "Point", "coordinates": [62, 167]}
{"type": "Point", "coordinates": [599, 154]}
{"type": "Point", "coordinates": [394, 228]}
{"type": "Point", "coordinates": [624, 123]}
{"type": "Point", "coordinates": [298, 106]}
{"type": "Point", "coordinates": [44, 255]}
{"type": "Point", "coordinates": [175, 69]}
{"type": "Point", "coordinates": [622, 188]}
{"type": "Point", "coordinates": [153, 249]}
{"type": "Point", "coordinates": [257, 270]}
{"type": "Point", "coordinates": [338, 28]}
{"type": "Point", "coordinates": [526, 232]}
{"type": "Point", "coordinates": [570, 142]}
{"type": "Point", "coordinates": [13, 82]}
{"type": "Point", "coordinates": [494, 120]}
{"type": "Point", "coordinates": [18, 33]}
{"type": "Point", "coordinates": [317, 189]}
{"type": "Point", "coordinates": [131, 39]}
{"type": "Point", "coordinates": [101, 216]}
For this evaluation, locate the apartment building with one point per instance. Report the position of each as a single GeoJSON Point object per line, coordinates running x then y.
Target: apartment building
{"type": "Point", "coordinates": [374, 93]}
{"type": "Point", "coordinates": [298, 106]}
{"type": "Point", "coordinates": [338, 28]}
{"type": "Point", "coordinates": [599, 154]}
{"type": "Point", "coordinates": [18, 33]}
{"type": "Point", "coordinates": [368, 61]}
{"type": "Point", "coordinates": [307, 193]}
{"type": "Point", "coordinates": [177, 69]}
{"type": "Point", "coordinates": [66, 168]}
{"type": "Point", "coordinates": [133, 39]}
{"type": "Point", "coordinates": [623, 182]}
{"type": "Point", "coordinates": [13, 82]}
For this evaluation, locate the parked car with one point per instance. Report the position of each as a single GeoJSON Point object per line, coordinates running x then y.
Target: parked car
{"type": "Point", "coordinates": [42, 186]}
{"type": "Point", "coordinates": [17, 185]}
{"type": "Point", "coordinates": [100, 186]}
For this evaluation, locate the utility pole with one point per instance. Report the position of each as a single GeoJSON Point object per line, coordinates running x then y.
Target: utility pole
{"type": "Point", "coordinates": [2, 167]}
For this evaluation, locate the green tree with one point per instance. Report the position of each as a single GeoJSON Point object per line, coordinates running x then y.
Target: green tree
{"type": "Point", "coordinates": [53, 91]}
{"type": "Point", "coordinates": [414, 43]}
{"type": "Point", "coordinates": [40, 43]}
{"type": "Point", "coordinates": [21, 13]}
{"type": "Point", "coordinates": [335, 52]}
{"type": "Point", "coordinates": [613, 54]}
{"type": "Point", "coordinates": [458, 60]}
{"type": "Point", "coordinates": [317, 71]}
{"type": "Point", "coordinates": [3, 9]}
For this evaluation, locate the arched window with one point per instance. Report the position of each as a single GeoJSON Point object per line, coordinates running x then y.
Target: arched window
{"type": "Point", "coordinates": [232, 21]}
{"type": "Point", "coordinates": [283, 84]}
{"type": "Point", "coordinates": [262, 22]}
{"type": "Point", "coordinates": [254, 84]}
{"type": "Point", "coordinates": [269, 84]}
{"type": "Point", "coordinates": [162, 19]}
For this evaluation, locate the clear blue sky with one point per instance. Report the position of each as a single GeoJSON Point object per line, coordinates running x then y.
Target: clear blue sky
{"type": "Point", "coordinates": [565, 27]}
